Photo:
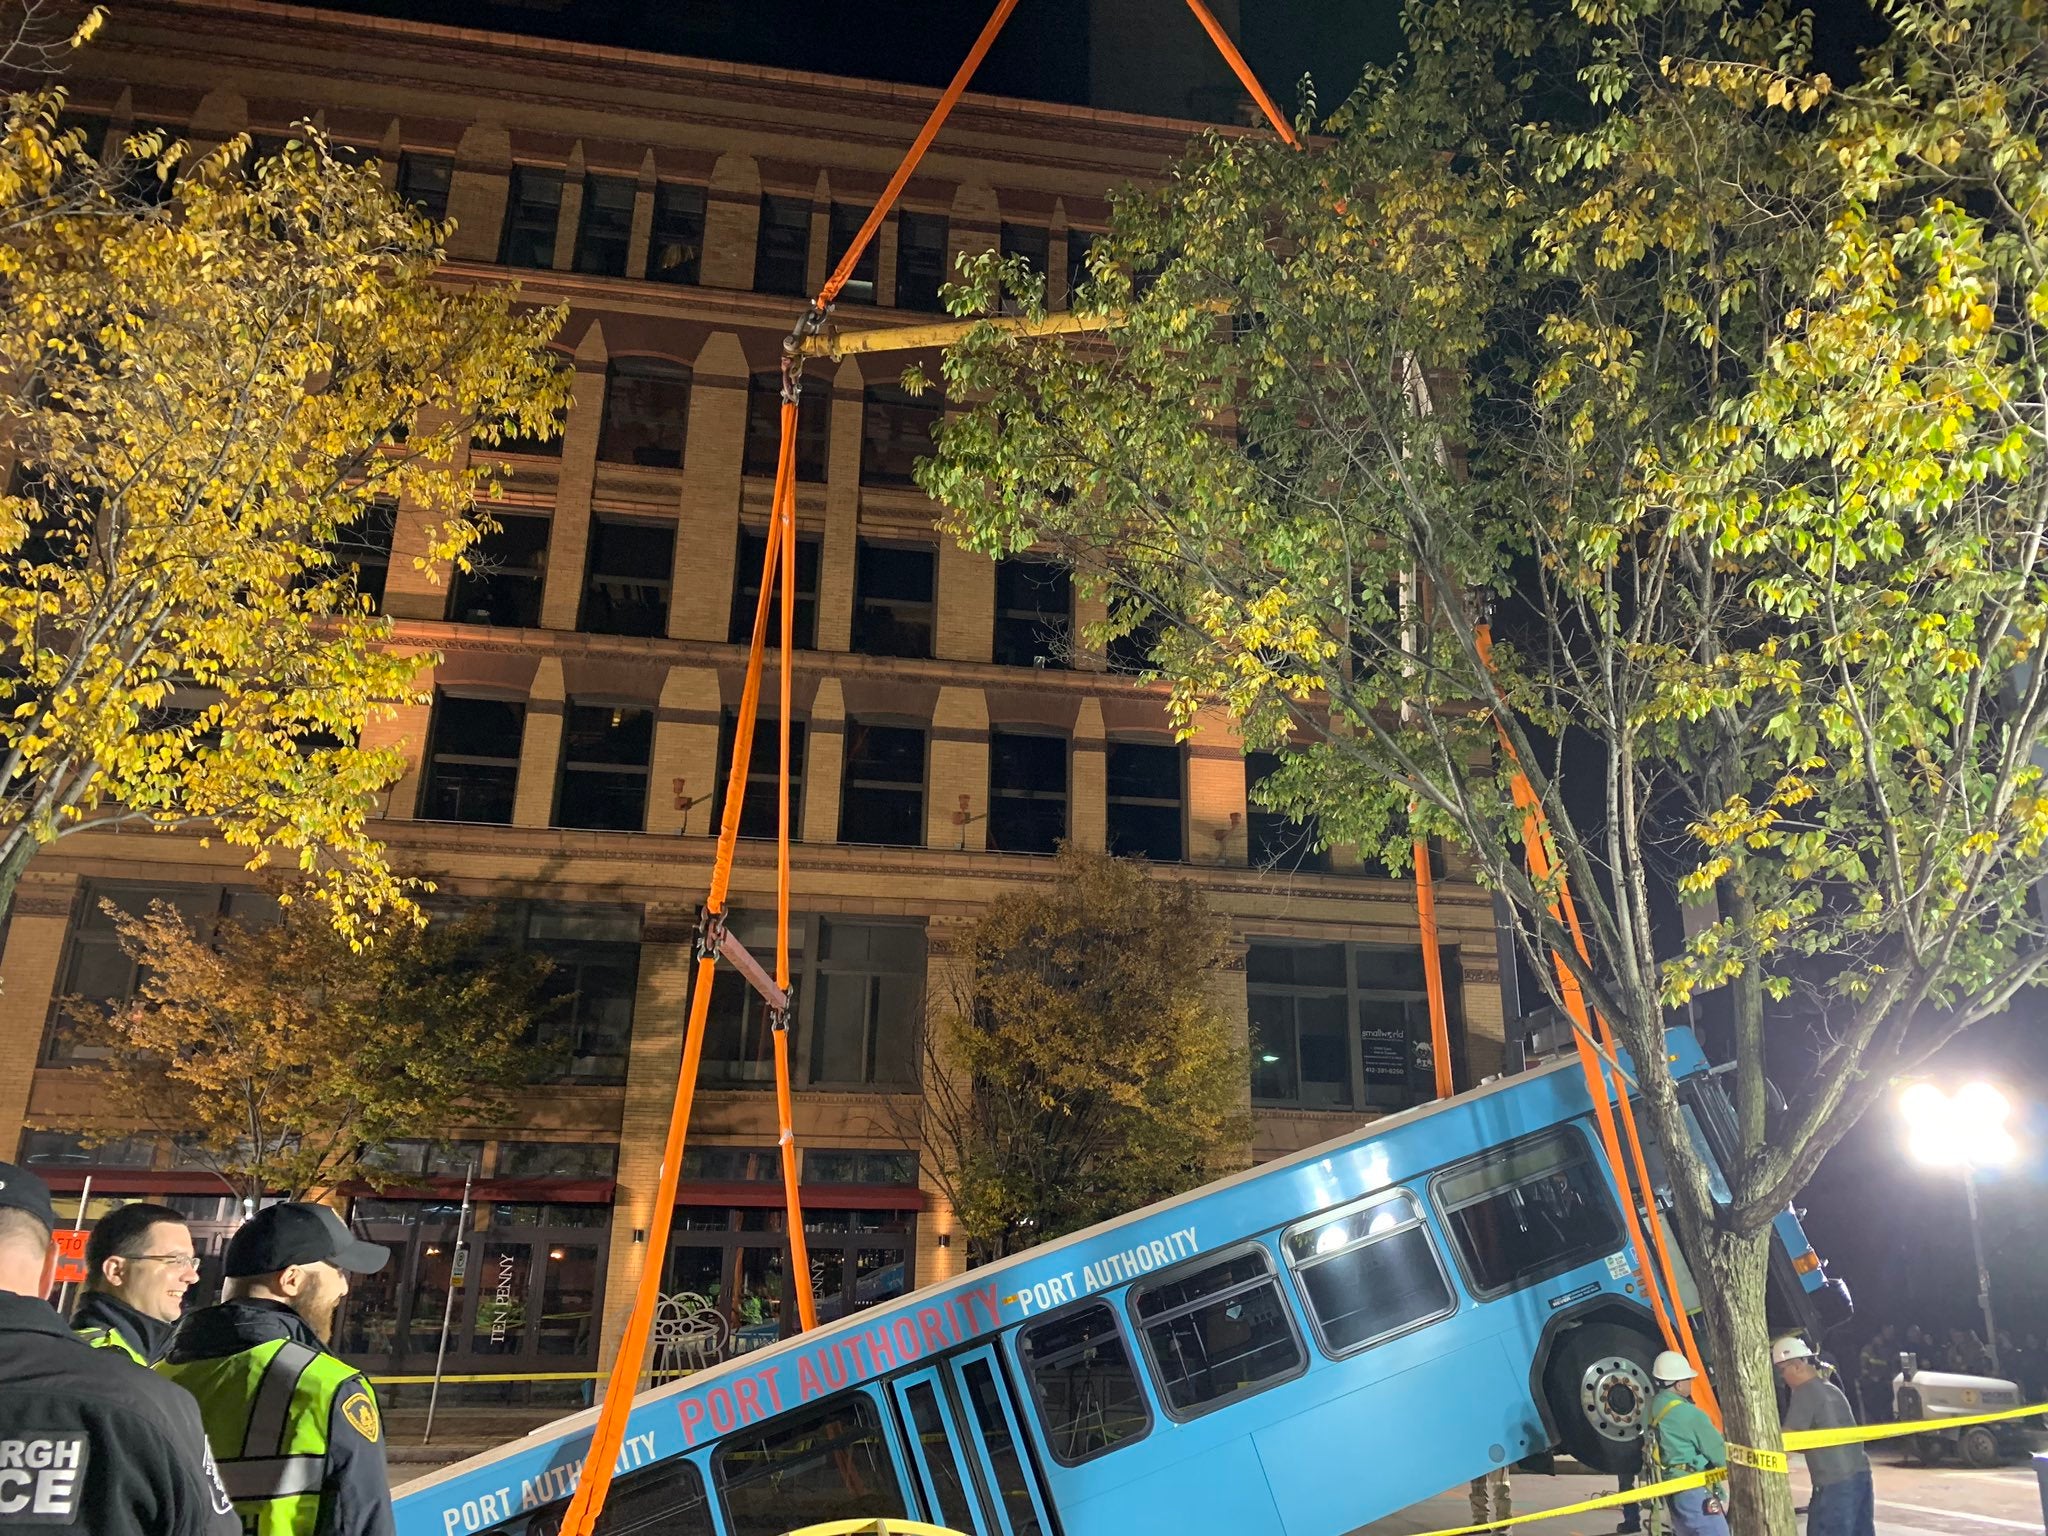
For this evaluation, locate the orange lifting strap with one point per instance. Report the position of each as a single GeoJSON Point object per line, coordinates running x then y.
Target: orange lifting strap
{"type": "Point", "coordinates": [779, 569]}
{"type": "Point", "coordinates": [1597, 1061]}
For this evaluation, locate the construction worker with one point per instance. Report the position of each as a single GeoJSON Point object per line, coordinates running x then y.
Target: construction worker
{"type": "Point", "coordinates": [297, 1431]}
{"type": "Point", "coordinates": [1876, 1366]}
{"type": "Point", "coordinates": [91, 1444]}
{"type": "Point", "coordinates": [139, 1263]}
{"type": "Point", "coordinates": [1844, 1502]}
{"type": "Point", "coordinates": [1679, 1439]}
{"type": "Point", "coordinates": [1492, 1498]}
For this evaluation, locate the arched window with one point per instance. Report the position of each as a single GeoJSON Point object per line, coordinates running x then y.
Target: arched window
{"type": "Point", "coordinates": [646, 412]}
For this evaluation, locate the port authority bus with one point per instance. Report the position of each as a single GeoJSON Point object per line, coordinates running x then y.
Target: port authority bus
{"type": "Point", "coordinates": [1296, 1350]}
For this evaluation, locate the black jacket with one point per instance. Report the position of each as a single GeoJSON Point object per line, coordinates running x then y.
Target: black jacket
{"type": "Point", "coordinates": [95, 1444]}
{"type": "Point", "coordinates": [145, 1335]}
{"type": "Point", "coordinates": [355, 1495]}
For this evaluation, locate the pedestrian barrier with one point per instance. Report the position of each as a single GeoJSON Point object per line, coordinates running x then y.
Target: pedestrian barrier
{"type": "Point", "coordinates": [1741, 1455]}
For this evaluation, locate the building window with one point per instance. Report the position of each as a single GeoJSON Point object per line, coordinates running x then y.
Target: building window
{"type": "Point", "coordinates": [604, 234]}
{"type": "Point", "coordinates": [1034, 614]}
{"type": "Point", "coordinates": [675, 244]}
{"type": "Point", "coordinates": [1145, 800]}
{"type": "Point", "coordinates": [764, 427]}
{"type": "Point", "coordinates": [556, 1159]}
{"type": "Point", "coordinates": [472, 759]}
{"type": "Point", "coordinates": [416, 1158]}
{"type": "Point", "coordinates": [896, 430]}
{"type": "Point", "coordinates": [859, 1166]}
{"type": "Point", "coordinates": [883, 797]}
{"type": "Point", "coordinates": [508, 572]}
{"type": "Point", "coordinates": [760, 811]}
{"type": "Point", "coordinates": [739, 1045]}
{"type": "Point", "coordinates": [1368, 1271]}
{"type": "Point", "coordinates": [1031, 243]}
{"type": "Point", "coordinates": [1219, 1333]}
{"type": "Point", "coordinates": [364, 547]}
{"type": "Point", "coordinates": [533, 207]}
{"type": "Point", "coordinates": [921, 241]}
{"type": "Point", "coordinates": [1278, 841]}
{"type": "Point", "coordinates": [1529, 1210]}
{"type": "Point", "coordinates": [870, 989]}
{"type": "Point", "coordinates": [595, 952]}
{"type": "Point", "coordinates": [605, 752]}
{"type": "Point", "coordinates": [646, 413]}
{"type": "Point", "coordinates": [846, 222]}
{"type": "Point", "coordinates": [1079, 243]}
{"type": "Point", "coordinates": [892, 599]}
{"type": "Point", "coordinates": [1130, 653]}
{"type": "Point", "coordinates": [626, 586]}
{"type": "Point", "coordinates": [1083, 1382]}
{"type": "Point", "coordinates": [423, 181]}
{"type": "Point", "coordinates": [746, 592]}
{"type": "Point", "coordinates": [782, 256]}
{"type": "Point", "coordinates": [1338, 1026]}
{"type": "Point", "coordinates": [1027, 792]}
{"type": "Point", "coordinates": [68, 1149]}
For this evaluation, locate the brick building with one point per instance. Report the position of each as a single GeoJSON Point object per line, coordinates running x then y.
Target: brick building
{"type": "Point", "coordinates": [571, 763]}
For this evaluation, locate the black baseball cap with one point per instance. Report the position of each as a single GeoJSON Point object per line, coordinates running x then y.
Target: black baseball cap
{"type": "Point", "coordinates": [21, 1190]}
{"type": "Point", "coordinates": [299, 1232]}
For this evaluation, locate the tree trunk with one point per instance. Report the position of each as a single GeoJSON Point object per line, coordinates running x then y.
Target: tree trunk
{"type": "Point", "coordinates": [15, 852]}
{"type": "Point", "coordinates": [1739, 1343]}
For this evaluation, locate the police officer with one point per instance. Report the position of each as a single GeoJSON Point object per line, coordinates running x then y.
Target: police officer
{"type": "Point", "coordinates": [139, 1263]}
{"type": "Point", "coordinates": [1680, 1438]}
{"type": "Point", "coordinates": [300, 1441]}
{"type": "Point", "coordinates": [90, 1443]}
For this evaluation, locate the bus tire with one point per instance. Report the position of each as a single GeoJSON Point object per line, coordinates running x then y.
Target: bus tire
{"type": "Point", "coordinates": [1980, 1446]}
{"type": "Point", "coordinates": [1598, 1385]}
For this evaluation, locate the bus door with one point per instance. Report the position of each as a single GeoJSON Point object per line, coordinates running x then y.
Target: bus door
{"type": "Point", "coordinates": [939, 1453]}
{"type": "Point", "coordinates": [986, 1414]}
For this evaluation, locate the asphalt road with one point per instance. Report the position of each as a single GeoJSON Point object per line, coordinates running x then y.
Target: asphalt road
{"type": "Point", "coordinates": [1911, 1501]}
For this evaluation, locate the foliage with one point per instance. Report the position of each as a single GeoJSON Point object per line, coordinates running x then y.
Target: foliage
{"type": "Point", "coordinates": [1083, 1069]}
{"type": "Point", "coordinates": [1723, 381]}
{"type": "Point", "coordinates": [287, 1057]}
{"type": "Point", "coordinates": [218, 369]}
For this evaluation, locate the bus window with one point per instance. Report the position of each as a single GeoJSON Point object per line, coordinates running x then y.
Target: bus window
{"type": "Point", "coordinates": [1088, 1396]}
{"type": "Point", "coordinates": [830, 1463]}
{"type": "Point", "coordinates": [1368, 1271]}
{"type": "Point", "coordinates": [667, 1497]}
{"type": "Point", "coordinates": [1529, 1210]}
{"type": "Point", "coordinates": [1219, 1333]}
{"type": "Point", "coordinates": [1008, 1467]}
{"type": "Point", "coordinates": [935, 1440]}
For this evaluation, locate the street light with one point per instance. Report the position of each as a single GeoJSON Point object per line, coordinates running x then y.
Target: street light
{"type": "Point", "coordinates": [1963, 1130]}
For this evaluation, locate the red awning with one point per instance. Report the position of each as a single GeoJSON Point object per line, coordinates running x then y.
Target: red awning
{"type": "Point", "coordinates": [854, 1197]}
{"type": "Point", "coordinates": [136, 1181]}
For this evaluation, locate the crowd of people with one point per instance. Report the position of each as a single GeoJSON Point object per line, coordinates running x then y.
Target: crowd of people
{"type": "Point", "coordinates": [2021, 1359]}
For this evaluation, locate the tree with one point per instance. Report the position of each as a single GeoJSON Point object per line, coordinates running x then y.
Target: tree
{"type": "Point", "coordinates": [286, 1057]}
{"type": "Point", "coordinates": [214, 379]}
{"type": "Point", "coordinates": [1083, 1069]}
{"type": "Point", "coordinates": [1725, 384]}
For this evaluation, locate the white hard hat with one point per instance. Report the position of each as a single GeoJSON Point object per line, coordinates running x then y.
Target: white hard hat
{"type": "Point", "coordinates": [1672, 1366]}
{"type": "Point", "coordinates": [1791, 1347]}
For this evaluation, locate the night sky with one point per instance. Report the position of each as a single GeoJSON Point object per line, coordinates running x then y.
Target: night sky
{"type": "Point", "coordinates": [1895, 1232]}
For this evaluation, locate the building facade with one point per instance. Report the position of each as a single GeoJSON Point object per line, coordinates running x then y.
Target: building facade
{"type": "Point", "coordinates": [571, 764]}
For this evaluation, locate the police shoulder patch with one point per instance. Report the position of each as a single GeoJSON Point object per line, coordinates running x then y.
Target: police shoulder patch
{"type": "Point", "coordinates": [361, 1413]}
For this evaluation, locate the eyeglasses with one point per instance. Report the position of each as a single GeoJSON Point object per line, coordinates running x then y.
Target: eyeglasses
{"type": "Point", "coordinates": [189, 1261]}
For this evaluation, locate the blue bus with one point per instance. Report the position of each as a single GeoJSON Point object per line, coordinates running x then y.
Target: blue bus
{"type": "Point", "coordinates": [1296, 1350]}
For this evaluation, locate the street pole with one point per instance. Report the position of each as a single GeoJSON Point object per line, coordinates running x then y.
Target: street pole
{"type": "Point", "coordinates": [1983, 1271]}
{"type": "Point", "coordinates": [455, 1270]}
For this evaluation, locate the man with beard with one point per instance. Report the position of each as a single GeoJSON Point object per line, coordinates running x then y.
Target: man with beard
{"type": "Point", "coordinates": [294, 1429]}
{"type": "Point", "coordinates": [139, 1263]}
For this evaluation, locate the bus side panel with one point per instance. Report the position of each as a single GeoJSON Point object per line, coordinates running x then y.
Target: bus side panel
{"type": "Point", "coordinates": [1398, 1440]}
{"type": "Point", "coordinates": [1225, 1490]}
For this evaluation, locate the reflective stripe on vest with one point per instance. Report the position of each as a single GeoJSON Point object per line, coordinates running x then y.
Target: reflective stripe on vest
{"type": "Point", "coordinates": [267, 1412]}
{"type": "Point", "coordinates": [110, 1338]}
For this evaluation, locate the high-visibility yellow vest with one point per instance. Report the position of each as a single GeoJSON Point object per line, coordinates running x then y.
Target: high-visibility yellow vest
{"type": "Point", "coordinates": [109, 1338]}
{"type": "Point", "coordinates": [266, 1412]}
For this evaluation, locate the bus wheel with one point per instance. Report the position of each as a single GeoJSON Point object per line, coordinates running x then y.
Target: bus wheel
{"type": "Point", "coordinates": [1598, 1382]}
{"type": "Point", "coordinates": [1980, 1447]}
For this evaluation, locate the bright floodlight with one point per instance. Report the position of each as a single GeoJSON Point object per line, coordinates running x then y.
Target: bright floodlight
{"type": "Point", "coordinates": [1965, 1129]}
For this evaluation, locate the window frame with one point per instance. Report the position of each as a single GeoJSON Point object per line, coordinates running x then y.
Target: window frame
{"type": "Point", "coordinates": [821, 1409]}
{"type": "Point", "coordinates": [616, 239]}
{"type": "Point", "coordinates": [1031, 796]}
{"type": "Point", "coordinates": [1196, 1265]}
{"type": "Point", "coordinates": [1008, 621]}
{"type": "Point", "coordinates": [876, 616]}
{"type": "Point", "coordinates": [783, 203]}
{"type": "Point", "coordinates": [1582, 1152]}
{"type": "Point", "coordinates": [431, 161]}
{"type": "Point", "coordinates": [908, 254]}
{"type": "Point", "coordinates": [615, 431]}
{"type": "Point", "coordinates": [890, 405]}
{"type": "Point", "coordinates": [434, 754]}
{"type": "Point", "coordinates": [764, 426]}
{"type": "Point", "coordinates": [746, 590]}
{"type": "Point", "coordinates": [565, 765]}
{"type": "Point", "coordinates": [526, 585]}
{"type": "Point", "coordinates": [595, 581]}
{"type": "Point", "coordinates": [1338, 1213]}
{"type": "Point", "coordinates": [1111, 800]}
{"type": "Point", "coordinates": [511, 228]}
{"type": "Point", "coordinates": [1043, 1426]}
{"type": "Point", "coordinates": [842, 223]}
{"type": "Point", "coordinates": [667, 196]}
{"type": "Point", "coordinates": [847, 785]}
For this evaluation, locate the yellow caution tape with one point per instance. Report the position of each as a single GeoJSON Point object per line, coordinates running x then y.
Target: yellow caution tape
{"type": "Point", "coordinates": [406, 1381]}
{"type": "Point", "coordinates": [1746, 1456]}
{"type": "Point", "coordinates": [875, 1527]}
